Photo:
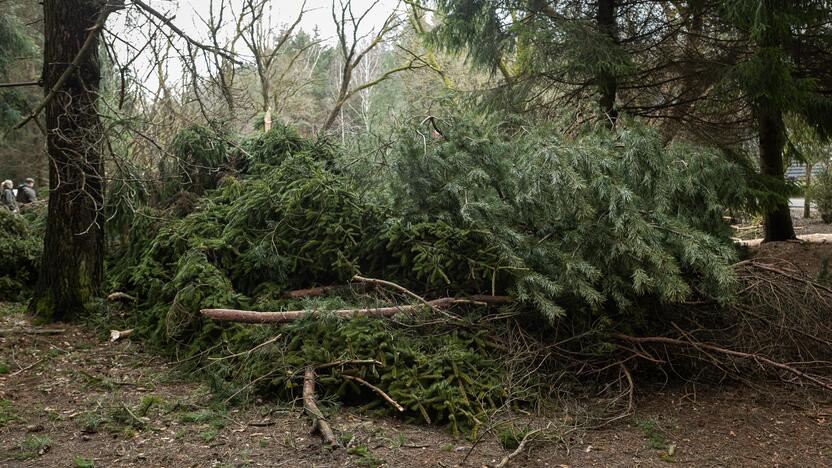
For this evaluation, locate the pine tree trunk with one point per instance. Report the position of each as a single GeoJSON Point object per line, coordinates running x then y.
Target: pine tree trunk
{"type": "Point", "coordinates": [607, 81]}
{"type": "Point", "coordinates": [72, 267]}
{"type": "Point", "coordinates": [777, 220]}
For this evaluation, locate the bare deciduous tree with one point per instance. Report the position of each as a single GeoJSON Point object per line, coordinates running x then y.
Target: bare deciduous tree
{"type": "Point", "coordinates": [354, 47]}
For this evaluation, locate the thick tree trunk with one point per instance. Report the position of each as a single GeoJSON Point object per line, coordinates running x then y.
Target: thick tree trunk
{"type": "Point", "coordinates": [777, 219]}
{"type": "Point", "coordinates": [607, 81]}
{"type": "Point", "coordinates": [72, 266]}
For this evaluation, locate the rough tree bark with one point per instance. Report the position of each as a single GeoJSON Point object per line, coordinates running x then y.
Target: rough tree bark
{"type": "Point", "coordinates": [777, 220]}
{"type": "Point", "coordinates": [73, 251]}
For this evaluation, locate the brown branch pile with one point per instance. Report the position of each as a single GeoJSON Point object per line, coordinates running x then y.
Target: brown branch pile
{"type": "Point", "coordinates": [779, 325]}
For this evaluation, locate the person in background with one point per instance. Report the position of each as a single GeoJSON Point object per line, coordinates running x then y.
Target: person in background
{"type": "Point", "coordinates": [26, 192]}
{"type": "Point", "coordinates": [7, 199]}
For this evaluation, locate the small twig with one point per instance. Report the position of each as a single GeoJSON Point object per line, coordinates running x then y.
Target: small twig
{"type": "Point", "coordinates": [377, 390]}
{"type": "Point", "coordinates": [23, 369]}
{"type": "Point", "coordinates": [395, 286]}
{"type": "Point", "coordinates": [526, 439]}
{"type": "Point", "coordinates": [132, 415]}
{"type": "Point", "coordinates": [357, 362]}
{"type": "Point", "coordinates": [247, 353]}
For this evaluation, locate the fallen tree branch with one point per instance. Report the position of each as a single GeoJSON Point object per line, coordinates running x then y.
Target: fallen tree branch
{"type": "Point", "coordinates": [319, 423]}
{"type": "Point", "coordinates": [31, 331]}
{"type": "Point", "coordinates": [375, 389]}
{"type": "Point", "coordinates": [772, 269]}
{"type": "Point", "coordinates": [20, 84]}
{"type": "Point", "coordinates": [310, 292]}
{"type": "Point", "coordinates": [248, 316]}
{"type": "Point", "coordinates": [729, 352]}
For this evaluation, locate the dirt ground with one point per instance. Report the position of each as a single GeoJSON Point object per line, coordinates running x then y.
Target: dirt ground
{"type": "Point", "coordinates": [73, 399]}
{"type": "Point", "coordinates": [808, 258]}
{"type": "Point", "coordinates": [813, 225]}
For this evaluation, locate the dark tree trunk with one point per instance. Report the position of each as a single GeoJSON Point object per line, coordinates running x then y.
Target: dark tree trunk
{"type": "Point", "coordinates": [777, 219]}
{"type": "Point", "coordinates": [607, 81]}
{"type": "Point", "coordinates": [72, 268]}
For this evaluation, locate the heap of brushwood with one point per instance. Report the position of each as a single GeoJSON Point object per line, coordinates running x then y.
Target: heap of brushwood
{"type": "Point", "coordinates": [481, 267]}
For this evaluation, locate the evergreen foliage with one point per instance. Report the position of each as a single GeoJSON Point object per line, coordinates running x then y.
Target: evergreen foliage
{"type": "Point", "coordinates": [606, 220]}
{"type": "Point", "coordinates": [197, 155]}
{"type": "Point", "coordinates": [20, 248]}
{"type": "Point", "coordinates": [608, 226]}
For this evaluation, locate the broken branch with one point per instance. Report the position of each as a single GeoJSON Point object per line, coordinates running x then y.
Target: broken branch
{"type": "Point", "coordinates": [319, 423]}
{"type": "Point", "coordinates": [377, 390]}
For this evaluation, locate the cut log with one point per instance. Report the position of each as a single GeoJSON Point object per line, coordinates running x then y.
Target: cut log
{"type": "Point", "coordinates": [319, 422]}
{"type": "Point", "coordinates": [248, 316]}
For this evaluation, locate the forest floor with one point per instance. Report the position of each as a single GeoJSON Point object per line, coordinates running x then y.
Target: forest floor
{"type": "Point", "coordinates": [75, 399]}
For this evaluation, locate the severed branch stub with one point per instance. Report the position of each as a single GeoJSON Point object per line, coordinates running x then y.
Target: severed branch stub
{"type": "Point", "coordinates": [319, 422]}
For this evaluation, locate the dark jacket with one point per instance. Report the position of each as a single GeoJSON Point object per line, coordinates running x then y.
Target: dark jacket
{"type": "Point", "coordinates": [26, 194]}
{"type": "Point", "coordinates": [8, 199]}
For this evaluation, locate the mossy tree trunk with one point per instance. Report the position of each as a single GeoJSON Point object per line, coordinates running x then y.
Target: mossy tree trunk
{"type": "Point", "coordinates": [72, 268]}
{"type": "Point", "coordinates": [777, 219]}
